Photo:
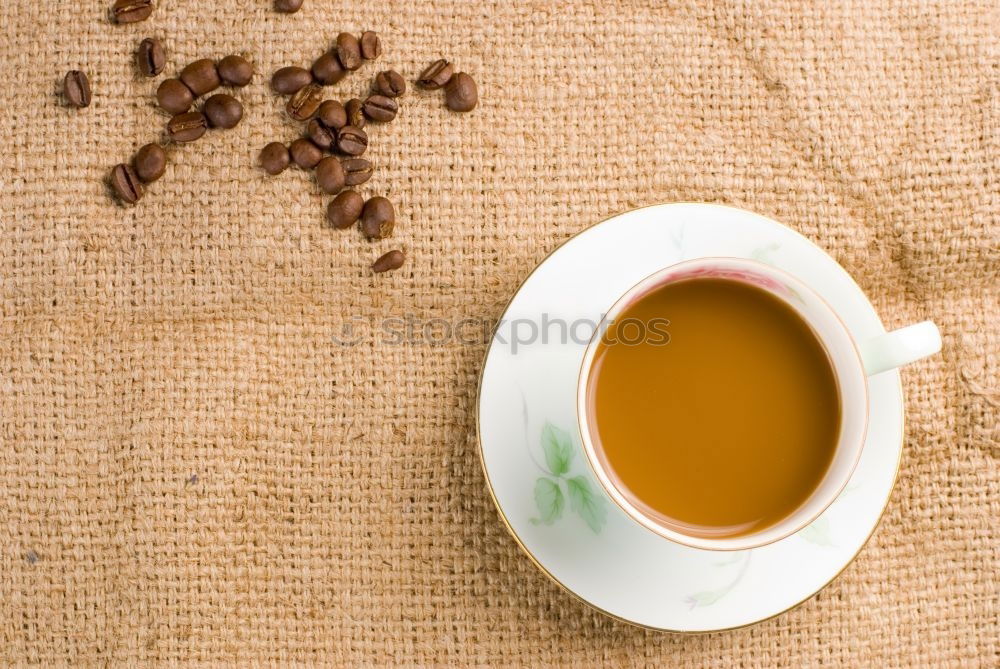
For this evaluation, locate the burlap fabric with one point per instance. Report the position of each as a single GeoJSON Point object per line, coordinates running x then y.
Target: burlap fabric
{"type": "Point", "coordinates": [194, 471]}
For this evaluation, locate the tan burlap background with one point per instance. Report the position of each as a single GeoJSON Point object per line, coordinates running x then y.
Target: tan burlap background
{"type": "Point", "coordinates": [192, 470]}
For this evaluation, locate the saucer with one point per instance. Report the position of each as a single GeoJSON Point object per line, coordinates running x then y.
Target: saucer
{"type": "Point", "coordinates": [539, 477]}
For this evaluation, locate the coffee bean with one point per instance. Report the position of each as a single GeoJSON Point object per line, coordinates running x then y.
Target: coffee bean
{"type": "Point", "coordinates": [327, 69]}
{"type": "Point", "coordinates": [304, 104]}
{"type": "Point", "coordinates": [235, 70]}
{"type": "Point", "coordinates": [345, 209]}
{"type": "Point", "coordinates": [288, 6]}
{"type": "Point", "coordinates": [380, 108]}
{"type": "Point", "coordinates": [320, 134]}
{"type": "Point", "coordinates": [390, 83]}
{"type": "Point", "coordinates": [348, 51]}
{"type": "Point", "coordinates": [187, 127]}
{"type": "Point", "coordinates": [126, 184]}
{"type": "Point", "coordinates": [389, 261]}
{"type": "Point", "coordinates": [378, 218]}
{"type": "Point", "coordinates": [436, 74]}
{"type": "Point", "coordinates": [330, 175]}
{"type": "Point", "coordinates": [460, 94]}
{"type": "Point", "coordinates": [174, 97]}
{"type": "Point", "coordinates": [223, 111]}
{"type": "Point", "coordinates": [355, 113]}
{"type": "Point", "coordinates": [131, 11]}
{"type": "Point", "coordinates": [150, 57]}
{"type": "Point", "coordinates": [332, 114]}
{"type": "Point", "coordinates": [371, 45]}
{"type": "Point", "coordinates": [274, 158]}
{"type": "Point", "coordinates": [76, 88]}
{"type": "Point", "coordinates": [289, 80]}
{"type": "Point", "coordinates": [305, 154]}
{"type": "Point", "coordinates": [352, 141]}
{"type": "Point", "coordinates": [201, 76]}
{"type": "Point", "coordinates": [356, 170]}
{"type": "Point", "coordinates": [150, 162]}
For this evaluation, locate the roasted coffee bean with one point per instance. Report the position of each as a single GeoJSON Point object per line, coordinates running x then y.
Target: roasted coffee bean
{"type": "Point", "coordinates": [201, 76]}
{"type": "Point", "coordinates": [378, 218]}
{"type": "Point", "coordinates": [305, 154]}
{"type": "Point", "coordinates": [390, 83]}
{"type": "Point", "coordinates": [126, 184]}
{"type": "Point", "coordinates": [327, 69]}
{"type": "Point", "coordinates": [356, 170]}
{"type": "Point", "coordinates": [131, 11]}
{"type": "Point", "coordinates": [290, 80]}
{"type": "Point", "coordinates": [371, 45]}
{"type": "Point", "coordinates": [76, 88]}
{"type": "Point", "coordinates": [150, 162]}
{"type": "Point", "coordinates": [174, 97]}
{"type": "Point", "coordinates": [304, 104]}
{"type": "Point", "coordinates": [348, 51]}
{"type": "Point", "coordinates": [330, 175]}
{"type": "Point", "coordinates": [380, 108]}
{"type": "Point", "coordinates": [332, 114]}
{"type": "Point", "coordinates": [389, 261]}
{"type": "Point", "coordinates": [288, 6]}
{"type": "Point", "coordinates": [355, 113]}
{"type": "Point", "coordinates": [150, 57]}
{"type": "Point", "coordinates": [235, 70]}
{"type": "Point", "coordinates": [352, 140]}
{"type": "Point", "coordinates": [187, 127]}
{"type": "Point", "coordinates": [460, 94]}
{"type": "Point", "coordinates": [320, 135]}
{"type": "Point", "coordinates": [223, 111]}
{"type": "Point", "coordinates": [345, 209]}
{"type": "Point", "coordinates": [436, 74]}
{"type": "Point", "coordinates": [274, 158]}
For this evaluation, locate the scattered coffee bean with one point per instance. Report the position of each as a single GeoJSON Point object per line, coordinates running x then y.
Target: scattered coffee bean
{"type": "Point", "coordinates": [327, 69]}
{"type": "Point", "coordinates": [201, 76]}
{"type": "Point", "coordinates": [235, 70]}
{"type": "Point", "coordinates": [290, 80]}
{"type": "Point", "coordinates": [460, 94]}
{"type": "Point", "coordinates": [76, 88]}
{"type": "Point", "coordinates": [390, 83]}
{"type": "Point", "coordinates": [389, 261]}
{"type": "Point", "coordinates": [330, 175]}
{"type": "Point", "coordinates": [332, 114]}
{"type": "Point", "coordinates": [174, 97]}
{"type": "Point", "coordinates": [371, 45]}
{"type": "Point", "coordinates": [131, 11]}
{"type": "Point", "coordinates": [150, 57]}
{"type": "Point", "coordinates": [187, 127]}
{"type": "Point", "coordinates": [223, 111]}
{"type": "Point", "coordinates": [304, 104]}
{"type": "Point", "coordinates": [378, 218]}
{"type": "Point", "coordinates": [356, 170]}
{"type": "Point", "coordinates": [345, 209]}
{"type": "Point", "coordinates": [352, 140]}
{"type": "Point", "coordinates": [150, 162]}
{"type": "Point", "coordinates": [355, 113]}
{"type": "Point", "coordinates": [288, 6]}
{"type": "Point", "coordinates": [274, 158]}
{"type": "Point", "coordinates": [305, 154]}
{"type": "Point", "coordinates": [349, 51]}
{"type": "Point", "coordinates": [380, 108]}
{"type": "Point", "coordinates": [436, 75]}
{"type": "Point", "coordinates": [320, 135]}
{"type": "Point", "coordinates": [126, 184]}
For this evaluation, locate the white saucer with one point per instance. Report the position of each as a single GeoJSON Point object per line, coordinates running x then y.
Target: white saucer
{"type": "Point", "coordinates": [540, 479]}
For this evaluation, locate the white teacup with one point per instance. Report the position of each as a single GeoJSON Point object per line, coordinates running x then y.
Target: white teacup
{"type": "Point", "coordinates": [853, 362]}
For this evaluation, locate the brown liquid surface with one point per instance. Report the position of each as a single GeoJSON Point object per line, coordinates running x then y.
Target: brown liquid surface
{"type": "Point", "coordinates": [727, 428]}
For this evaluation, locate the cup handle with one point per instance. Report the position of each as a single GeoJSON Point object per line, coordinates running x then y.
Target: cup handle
{"type": "Point", "coordinates": [900, 347]}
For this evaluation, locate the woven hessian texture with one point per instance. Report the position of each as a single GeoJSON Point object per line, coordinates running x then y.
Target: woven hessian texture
{"type": "Point", "coordinates": [194, 471]}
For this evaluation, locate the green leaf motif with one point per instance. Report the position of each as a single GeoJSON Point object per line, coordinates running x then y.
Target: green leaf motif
{"type": "Point", "coordinates": [706, 598]}
{"type": "Point", "coordinates": [558, 449]}
{"type": "Point", "coordinates": [818, 533]}
{"type": "Point", "coordinates": [587, 503]}
{"type": "Point", "coordinates": [549, 500]}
